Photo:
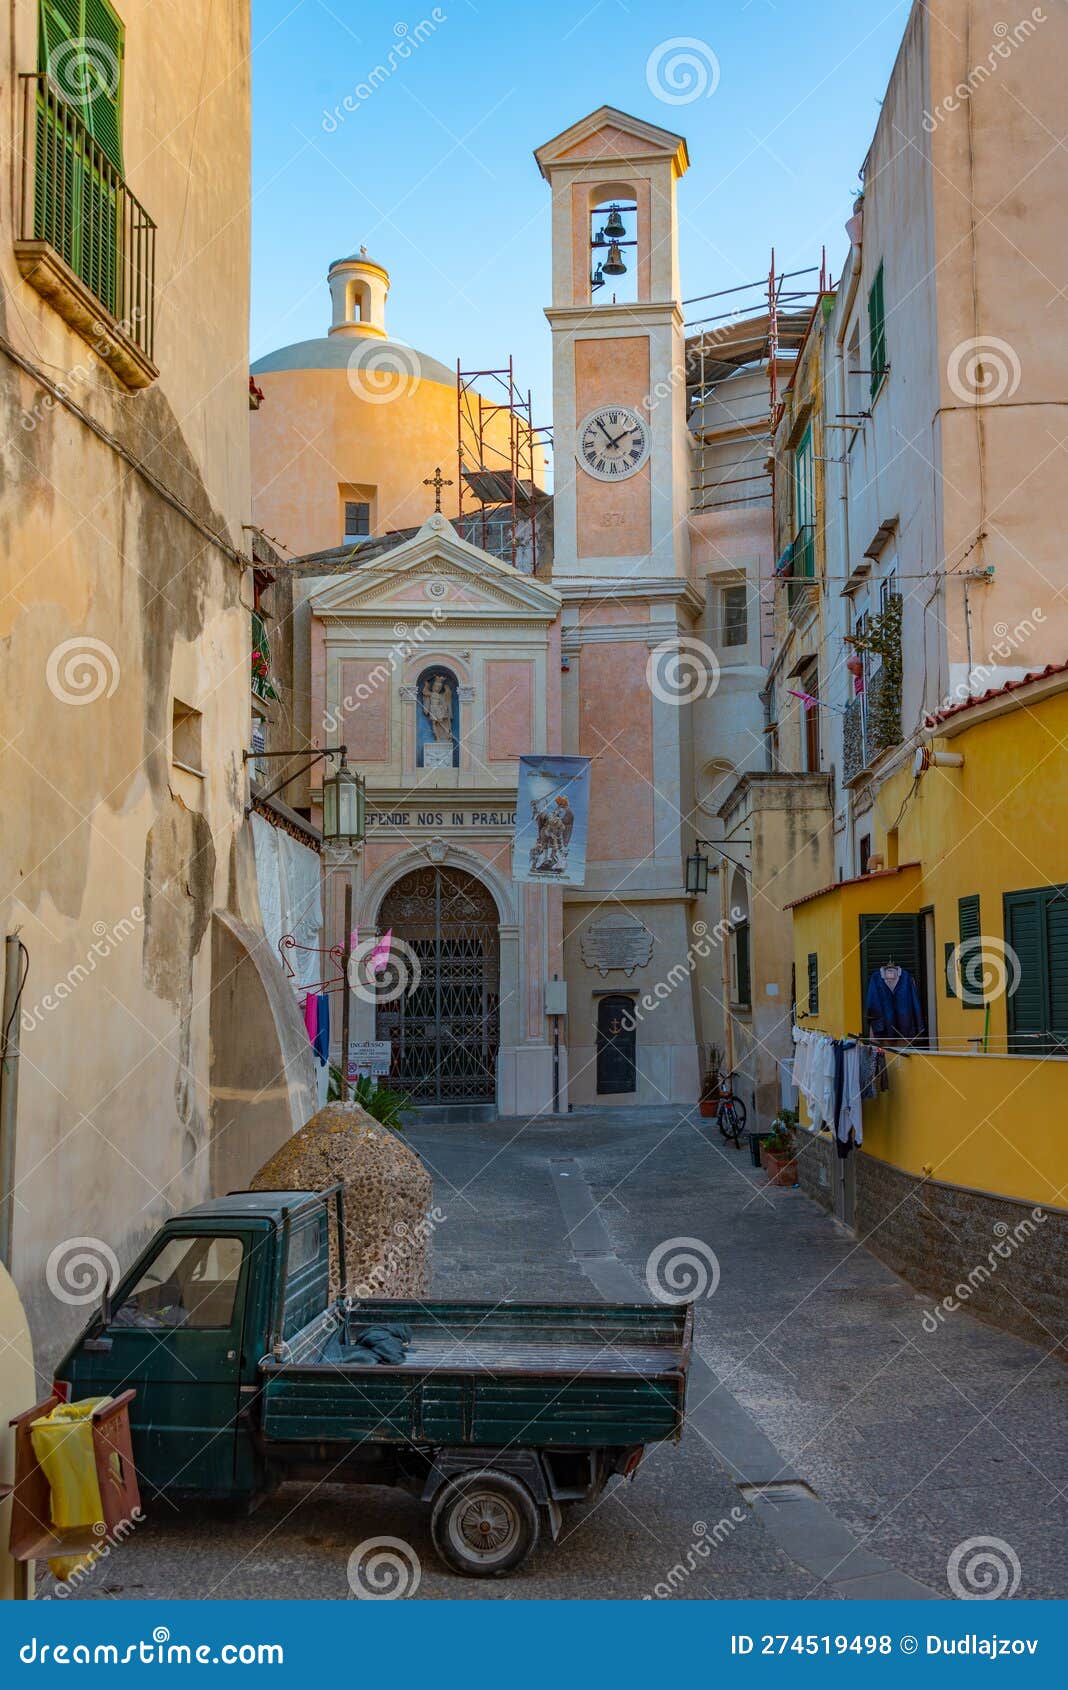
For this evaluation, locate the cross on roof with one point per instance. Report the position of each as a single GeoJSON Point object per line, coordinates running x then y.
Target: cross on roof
{"type": "Point", "coordinates": [437, 481]}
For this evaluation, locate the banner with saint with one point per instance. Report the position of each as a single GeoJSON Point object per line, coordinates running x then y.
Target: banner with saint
{"type": "Point", "coordinates": [551, 817]}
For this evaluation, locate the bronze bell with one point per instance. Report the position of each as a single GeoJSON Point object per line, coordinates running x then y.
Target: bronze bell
{"type": "Point", "coordinates": [613, 264]}
{"type": "Point", "coordinates": [614, 228]}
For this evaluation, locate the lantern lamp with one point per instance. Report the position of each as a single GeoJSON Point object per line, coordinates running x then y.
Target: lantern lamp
{"type": "Point", "coordinates": [344, 806]}
{"type": "Point", "coordinates": [697, 873]}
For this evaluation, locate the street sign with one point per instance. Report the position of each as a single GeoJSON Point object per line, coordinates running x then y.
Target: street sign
{"type": "Point", "coordinates": [369, 1056]}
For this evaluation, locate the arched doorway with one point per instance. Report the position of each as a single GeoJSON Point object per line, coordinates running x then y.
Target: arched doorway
{"type": "Point", "coordinates": [445, 1032]}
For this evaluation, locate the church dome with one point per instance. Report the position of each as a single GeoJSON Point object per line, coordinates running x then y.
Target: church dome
{"type": "Point", "coordinates": [337, 352]}
{"type": "Point", "coordinates": [357, 338]}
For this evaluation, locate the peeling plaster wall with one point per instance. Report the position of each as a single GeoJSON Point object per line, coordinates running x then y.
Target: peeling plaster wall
{"type": "Point", "coordinates": [114, 603]}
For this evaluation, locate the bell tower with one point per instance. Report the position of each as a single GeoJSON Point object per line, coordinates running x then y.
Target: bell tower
{"type": "Point", "coordinates": [618, 361]}
{"type": "Point", "coordinates": [621, 563]}
{"type": "Point", "coordinates": [358, 290]}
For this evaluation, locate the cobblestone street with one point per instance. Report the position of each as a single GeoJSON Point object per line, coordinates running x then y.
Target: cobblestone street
{"type": "Point", "coordinates": [885, 1446]}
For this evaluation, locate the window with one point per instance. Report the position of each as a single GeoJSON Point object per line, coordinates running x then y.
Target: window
{"type": "Point", "coordinates": [969, 953]}
{"type": "Point", "coordinates": [263, 683]}
{"type": "Point", "coordinates": [357, 519]}
{"type": "Point", "coordinates": [1036, 933]}
{"type": "Point", "coordinates": [734, 615]}
{"type": "Point", "coordinates": [887, 589]}
{"type": "Point", "coordinates": [864, 852]}
{"type": "Point", "coordinates": [893, 938]}
{"type": "Point", "coordinates": [742, 985]}
{"type": "Point", "coordinates": [809, 682]}
{"type": "Point", "coordinates": [813, 983]}
{"type": "Point", "coordinates": [854, 379]}
{"type": "Point", "coordinates": [304, 1247]}
{"type": "Point", "coordinates": [185, 737]}
{"type": "Point", "coordinates": [190, 1283]}
{"type": "Point", "coordinates": [877, 333]}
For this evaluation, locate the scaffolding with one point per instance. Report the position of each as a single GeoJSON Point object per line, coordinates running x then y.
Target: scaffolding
{"type": "Point", "coordinates": [763, 328]}
{"type": "Point", "coordinates": [499, 451]}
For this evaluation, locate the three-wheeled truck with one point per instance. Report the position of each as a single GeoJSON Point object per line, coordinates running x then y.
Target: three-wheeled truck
{"type": "Point", "coordinates": [247, 1373]}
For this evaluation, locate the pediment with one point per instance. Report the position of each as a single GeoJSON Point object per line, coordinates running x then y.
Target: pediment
{"type": "Point", "coordinates": [437, 573]}
{"type": "Point", "coordinates": [608, 134]}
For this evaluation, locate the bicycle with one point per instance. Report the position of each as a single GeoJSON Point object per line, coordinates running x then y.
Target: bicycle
{"type": "Point", "coordinates": [730, 1116]}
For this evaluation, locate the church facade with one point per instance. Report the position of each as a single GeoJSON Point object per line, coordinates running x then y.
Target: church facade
{"type": "Point", "coordinates": [440, 666]}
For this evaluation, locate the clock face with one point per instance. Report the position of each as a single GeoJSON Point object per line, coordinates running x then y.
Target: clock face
{"type": "Point", "coordinates": [613, 442]}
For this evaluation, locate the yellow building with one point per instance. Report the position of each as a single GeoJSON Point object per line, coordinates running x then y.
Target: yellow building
{"type": "Point", "coordinates": [967, 1143]}
{"type": "Point", "coordinates": [126, 865]}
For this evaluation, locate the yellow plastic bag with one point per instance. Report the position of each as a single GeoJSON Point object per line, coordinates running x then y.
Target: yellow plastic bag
{"type": "Point", "coordinates": [63, 1445]}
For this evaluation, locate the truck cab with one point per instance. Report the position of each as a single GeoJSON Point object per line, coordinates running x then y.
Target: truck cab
{"type": "Point", "coordinates": [187, 1325]}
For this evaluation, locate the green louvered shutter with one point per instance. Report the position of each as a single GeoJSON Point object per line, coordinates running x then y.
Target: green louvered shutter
{"type": "Point", "coordinates": [80, 45]}
{"type": "Point", "coordinates": [877, 331]}
{"type": "Point", "coordinates": [891, 938]}
{"type": "Point", "coordinates": [103, 29]}
{"type": "Point", "coordinates": [1027, 1013]}
{"type": "Point", "coordinates": [57, 174]}
{"type": "Point", "coordinates": [1057, 961]}
{"type": "Point", "coordinates": [969, 962]}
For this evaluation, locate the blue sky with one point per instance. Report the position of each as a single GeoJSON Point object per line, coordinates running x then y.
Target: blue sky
{"type": "Point", "coordinates": [433, 170]}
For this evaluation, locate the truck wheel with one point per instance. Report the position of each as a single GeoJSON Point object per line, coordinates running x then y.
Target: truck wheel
{"type": "Point", "coordinates": [484, 1524]}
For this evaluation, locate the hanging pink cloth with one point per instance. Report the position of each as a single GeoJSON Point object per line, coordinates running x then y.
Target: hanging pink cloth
{"type": "Point", "coordinates": [311, 1015]}
{"type": "Point", "coordinates": [380, 954]}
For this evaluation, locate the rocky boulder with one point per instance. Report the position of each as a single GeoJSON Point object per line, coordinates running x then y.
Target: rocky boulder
{"type": "Point", "coordinates": [387, 1197]}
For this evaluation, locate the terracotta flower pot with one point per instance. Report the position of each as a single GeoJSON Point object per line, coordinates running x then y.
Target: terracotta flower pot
{"type": "Point", "coordinates": [779, 1165]}
{"type": "Point", "coordinates": [708, 1105]}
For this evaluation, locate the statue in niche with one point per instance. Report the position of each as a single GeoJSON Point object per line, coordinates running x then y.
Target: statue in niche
{"type": "Point", "coordinates": [436, 703]}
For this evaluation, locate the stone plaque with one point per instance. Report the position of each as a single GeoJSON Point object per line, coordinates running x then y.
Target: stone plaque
{"type": "Point", "coordinates": [437, 756]}
{"type": "Point", "coordinates": [616, 943]}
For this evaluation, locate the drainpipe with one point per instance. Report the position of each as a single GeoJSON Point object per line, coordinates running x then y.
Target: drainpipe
{"type": "Point", "coordinates": [16, 967]}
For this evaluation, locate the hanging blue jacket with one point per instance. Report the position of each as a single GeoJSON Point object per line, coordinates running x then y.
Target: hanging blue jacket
{"type": "Point", "coordinates": [895, 1014]}
{"type": "Point", "coordinates": [322, 1029]}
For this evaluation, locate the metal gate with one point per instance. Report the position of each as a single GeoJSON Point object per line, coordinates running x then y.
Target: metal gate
{"type": "Point", "coordinates": [446, 1031]}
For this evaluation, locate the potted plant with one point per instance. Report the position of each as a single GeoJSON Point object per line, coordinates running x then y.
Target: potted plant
{"type": "Point", "coordinates": [778, 1155]}
{"type": "Point", "coordinates": [709, 1100]}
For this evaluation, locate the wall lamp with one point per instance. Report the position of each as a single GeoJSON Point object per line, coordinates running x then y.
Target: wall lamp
{"type": "Point", "coordinates": [344, 792]}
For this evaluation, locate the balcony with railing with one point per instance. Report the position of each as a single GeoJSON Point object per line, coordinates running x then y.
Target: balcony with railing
{"type": "Point", "coordinates": [797, 567]}
{"type": "Point", "coordinates": [85, 242]}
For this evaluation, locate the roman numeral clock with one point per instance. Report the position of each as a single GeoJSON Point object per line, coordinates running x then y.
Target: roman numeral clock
{"type": "Point", "coordinates": [613, 442]}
